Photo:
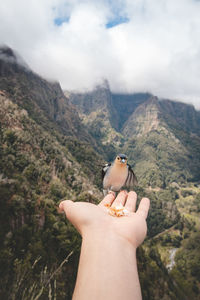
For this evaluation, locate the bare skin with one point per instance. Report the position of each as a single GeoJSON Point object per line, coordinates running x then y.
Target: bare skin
{"type": "Point", "coordinates": [108, 267]}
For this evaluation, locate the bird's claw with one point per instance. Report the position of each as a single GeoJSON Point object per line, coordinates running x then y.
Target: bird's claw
{"type": "Point", "coordinates": [111, 192]}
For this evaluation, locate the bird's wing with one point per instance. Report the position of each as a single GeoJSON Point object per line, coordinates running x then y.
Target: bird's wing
{"type": "Point", "coordinates": [104, 170]}
{"type": "Point", "coordinates": [131, 178]}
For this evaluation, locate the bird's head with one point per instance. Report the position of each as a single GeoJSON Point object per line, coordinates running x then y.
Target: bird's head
{"type": "Point", "coordinates": [121, 159]}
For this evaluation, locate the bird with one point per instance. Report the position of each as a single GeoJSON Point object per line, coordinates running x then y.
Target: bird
{"type": "Point", "coordinates": [117, 175]}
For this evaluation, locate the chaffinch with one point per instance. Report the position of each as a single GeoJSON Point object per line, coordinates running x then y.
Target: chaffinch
{"type": "Point", "coordinates": [117, 175]}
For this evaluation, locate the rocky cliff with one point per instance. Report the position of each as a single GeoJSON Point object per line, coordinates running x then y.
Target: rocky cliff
{"type": "Point", "coordinates": [45, 101]}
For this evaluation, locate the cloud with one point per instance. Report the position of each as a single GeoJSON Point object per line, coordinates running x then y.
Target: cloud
{"type": "Point", "coordinates": [138, 45]}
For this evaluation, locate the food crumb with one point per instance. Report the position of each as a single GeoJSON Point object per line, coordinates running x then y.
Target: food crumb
{"type": "Point", "coordinates": [117, 211]}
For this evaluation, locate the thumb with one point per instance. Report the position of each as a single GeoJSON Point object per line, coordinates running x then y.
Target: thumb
{"type": "Point", "coordinates": [67, 206]}
{"type": "Point", "coordinates": [71, 212]}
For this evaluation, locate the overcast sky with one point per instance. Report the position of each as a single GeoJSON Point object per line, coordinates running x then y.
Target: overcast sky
{"type": "Point", "coordinates": [138, 45]}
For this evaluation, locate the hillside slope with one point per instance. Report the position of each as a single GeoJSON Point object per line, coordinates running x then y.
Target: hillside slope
{"type": "Point", "coordinates": [45, 101]}
{"type": "Point", "coordinates": [162, 149]}
{"type": "Point", "coordinates": [45, 156]}
{"type": "Point", "coordinates": [99, 115]}
{"type": "Point", "coordinates": [160, 137]}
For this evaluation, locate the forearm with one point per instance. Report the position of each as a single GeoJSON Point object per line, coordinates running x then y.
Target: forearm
{"type": "Point", "coordinates": [107, 269]}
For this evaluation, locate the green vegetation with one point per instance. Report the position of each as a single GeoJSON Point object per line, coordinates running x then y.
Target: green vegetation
{"type": "Point", "coordinates": [187, 270]}
{"type": "Point", "coordinates": [36, 173]}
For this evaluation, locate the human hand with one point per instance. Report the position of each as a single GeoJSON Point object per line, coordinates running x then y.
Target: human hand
{"type": "Point", "coordinates": [91, 220]}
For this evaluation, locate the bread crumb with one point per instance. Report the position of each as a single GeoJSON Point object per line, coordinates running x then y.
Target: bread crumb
{"type": "Point", "coordinates": [117, 211]}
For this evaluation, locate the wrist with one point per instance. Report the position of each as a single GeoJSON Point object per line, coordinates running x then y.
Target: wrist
{"type": "Point", "coordinates": [109, 261]}
{"type": "Point", "coordinates": [107, 238]}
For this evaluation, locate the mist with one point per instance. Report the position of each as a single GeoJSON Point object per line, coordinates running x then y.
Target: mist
{"type": "Point", "coordinates": [138, 46]}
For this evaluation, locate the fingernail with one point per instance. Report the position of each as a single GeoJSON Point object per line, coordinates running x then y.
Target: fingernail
{"type": "Point", "coordinates": [124, 191]}
{"type": "Point", "coordinates": [111, 192]}
{"type": "Point", "coordinates": [61, 206]}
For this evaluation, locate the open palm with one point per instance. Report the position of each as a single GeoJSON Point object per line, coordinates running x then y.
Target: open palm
{"type": "Point", "coordinates": [90, 219]}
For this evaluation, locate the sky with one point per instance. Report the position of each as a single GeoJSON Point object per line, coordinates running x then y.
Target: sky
{"type": "Point", "coordinates": [137, 45]}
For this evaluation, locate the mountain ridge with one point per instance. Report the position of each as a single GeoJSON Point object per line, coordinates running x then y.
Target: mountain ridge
{"type": "Point", "coordinates": [40, 97]}
{"type": "Point", "coordinates": [148, 118]}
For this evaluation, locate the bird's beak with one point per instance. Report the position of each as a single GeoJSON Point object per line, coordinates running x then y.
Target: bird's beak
{"type": "Point", "coordinates": [123, 160]}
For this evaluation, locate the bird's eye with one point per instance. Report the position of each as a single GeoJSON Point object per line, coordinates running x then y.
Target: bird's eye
{"type": "Point", "coordinates": [118, 158]}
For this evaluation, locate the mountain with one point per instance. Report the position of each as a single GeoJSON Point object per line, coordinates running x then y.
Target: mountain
{"type": "Point", "coordinates": [156, 136]}
{"type": "Point", "coordinates": [46, 104]}
{"type": "Point", "coordinates": [99, 115]}
{"type": "Point", "coordinates": [125, 104]}
{"type": "Point", "coordinates": [46, 155]}
{"type": "Point", "coordinates": [161, 137]}
{"type": "Point", "coordinates": [52, 146]}
{"type": "Point", "coordinates": [45, 101]}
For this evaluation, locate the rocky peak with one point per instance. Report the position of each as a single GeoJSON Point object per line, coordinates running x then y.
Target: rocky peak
{"type": "Point", "coordinates": [145, 118]}
{"type": "Point", "coordinates": [181, 115]}
{"type": "Point", "coordinates": [104, 85]}
{"type": "Point", "coordinates": [97, 99]}
{"type": "Point", "coordinates": [11, 62]}
{"type": "Point", "coordinates": [96, 102]}
{"type": "Point", "coordinates": [7, 52]}
{"type": "Point", "coordinates": [125, 105]}
{"type": "Point", "coordinates": [44, 101]}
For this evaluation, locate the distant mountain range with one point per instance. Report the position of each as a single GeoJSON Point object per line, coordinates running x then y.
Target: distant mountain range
{"type": "Point", "coordinates": [52, 146]}
{"type": "Point", "coordinates": [160, 137]}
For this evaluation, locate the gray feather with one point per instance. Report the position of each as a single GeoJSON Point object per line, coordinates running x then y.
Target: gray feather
{"type": "Point", "coordinates": [131, 178]}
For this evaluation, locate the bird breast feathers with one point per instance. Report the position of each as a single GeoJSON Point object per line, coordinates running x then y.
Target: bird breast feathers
{"type": "Point", "coordinates": [117, 176]}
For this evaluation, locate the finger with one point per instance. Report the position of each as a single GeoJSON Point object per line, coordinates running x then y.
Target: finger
{"type": "Point", "coordinates": [73, 213]}
{"type": "Point", "coordinates": [66, 206]}
{"type": "Point", "coordinates": [131, 201]}
{"type": "Point", "coordinates": [108, 199]}
{"type": "Point", "coordinates": [120, 199]}
{"type": "Point", "coordinates": [143, 207]}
